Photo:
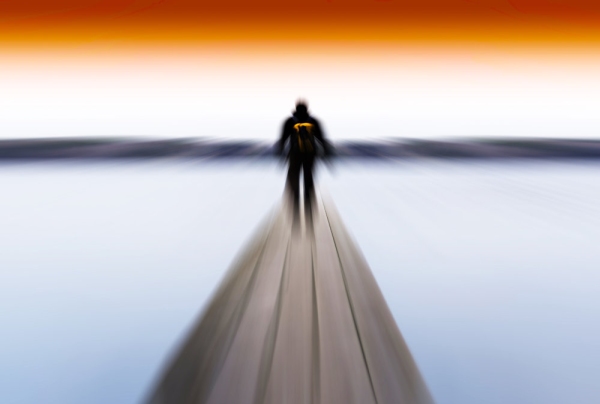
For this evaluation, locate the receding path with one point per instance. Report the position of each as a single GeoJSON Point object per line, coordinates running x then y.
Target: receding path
{"type": "Point", "coordinates": [298, 319]}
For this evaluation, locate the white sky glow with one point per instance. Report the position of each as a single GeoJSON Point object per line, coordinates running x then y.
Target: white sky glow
{"type": "Point", "coordinates": [248, 98]}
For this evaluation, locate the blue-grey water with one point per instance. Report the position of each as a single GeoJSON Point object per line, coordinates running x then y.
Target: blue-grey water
{"type": "Point", "coordinates": [492, 270]}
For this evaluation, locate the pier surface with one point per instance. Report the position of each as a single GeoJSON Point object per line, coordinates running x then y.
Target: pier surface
{"type": "Point", "coordinates": [299, 318]}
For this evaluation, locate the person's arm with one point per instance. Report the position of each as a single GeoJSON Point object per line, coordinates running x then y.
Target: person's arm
{"type": "Point", "coordinates": [327, 147]}
{"type": "Point", "coordinates": [285, 134]}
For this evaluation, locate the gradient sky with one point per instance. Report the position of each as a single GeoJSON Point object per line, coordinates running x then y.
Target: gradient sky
{"type": "Point", "coordinates": [372, 20]}
{"type": "Point", "coordinates": [427, 68]}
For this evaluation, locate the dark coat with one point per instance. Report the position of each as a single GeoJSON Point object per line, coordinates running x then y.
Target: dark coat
{"type": "Point", "coordinates": [305, 138]}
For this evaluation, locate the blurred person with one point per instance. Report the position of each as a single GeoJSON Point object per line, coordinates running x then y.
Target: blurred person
{"type": "Point", "coordinates": [304, 140]}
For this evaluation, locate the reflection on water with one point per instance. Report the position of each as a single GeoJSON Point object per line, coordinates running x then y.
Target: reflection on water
{"type": "Point", "coordinates": [491, 270]}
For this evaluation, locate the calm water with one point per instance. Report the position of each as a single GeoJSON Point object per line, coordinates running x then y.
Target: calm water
{"type": "Point", "coordinates": [491, 270]}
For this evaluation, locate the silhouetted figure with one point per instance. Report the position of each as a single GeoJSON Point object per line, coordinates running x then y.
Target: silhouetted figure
{"type": "Point", "coordinates": [304, 140]}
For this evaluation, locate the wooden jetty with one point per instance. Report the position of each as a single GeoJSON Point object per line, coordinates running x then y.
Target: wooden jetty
{"type": "Point", "coordinates": [299, 318]}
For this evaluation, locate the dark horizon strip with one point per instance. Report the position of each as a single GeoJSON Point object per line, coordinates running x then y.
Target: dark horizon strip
{"type": "Point", "coordinates": [127, 148]}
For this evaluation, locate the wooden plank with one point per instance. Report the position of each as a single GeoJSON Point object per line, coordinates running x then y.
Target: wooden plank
{"type": "Point", "coordinates": [195, 369]}
{"type": "Point", "coordinates": [238, 379]}
{"type": "Point", "coordinates": [343, 373]}
{"type": "Point", "coordinates": [290, 377]}
{"type": "Point", "coordinates": [395, 376]}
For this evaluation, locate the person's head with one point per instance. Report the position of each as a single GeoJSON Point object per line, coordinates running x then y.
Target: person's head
{"type": "Point", "coordinates": [301, 109]}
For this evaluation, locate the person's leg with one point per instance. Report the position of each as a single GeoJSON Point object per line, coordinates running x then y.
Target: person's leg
{"type": "Point", "coordinates": [293, 182]}
{"type": "Point", "coordinates": [309, 186]}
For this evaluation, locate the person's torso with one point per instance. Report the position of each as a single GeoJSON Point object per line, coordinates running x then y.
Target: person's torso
{"type": "Point", "coordinates": [302, 135]}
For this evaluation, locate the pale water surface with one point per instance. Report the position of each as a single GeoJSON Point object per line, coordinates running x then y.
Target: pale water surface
{"type": "Point", "coordinates": [492, 270]}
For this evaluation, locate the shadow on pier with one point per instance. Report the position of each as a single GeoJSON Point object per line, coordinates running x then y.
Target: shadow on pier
{"type": "Point", "coordinates": [299, 318]}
